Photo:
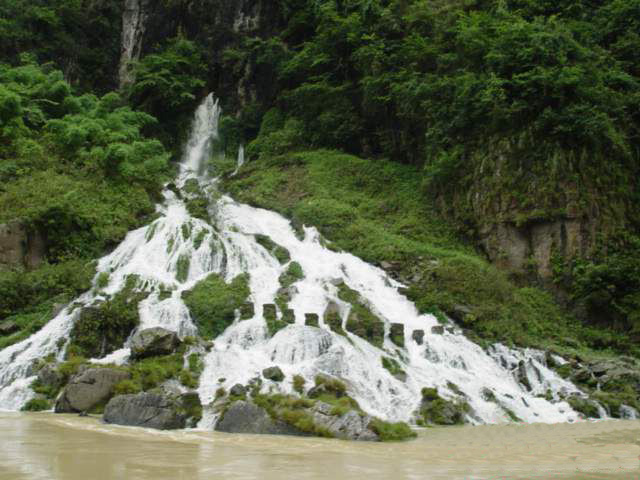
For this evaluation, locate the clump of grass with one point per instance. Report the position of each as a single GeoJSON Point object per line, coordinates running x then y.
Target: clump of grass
{"type": "Point", "coordinates": [392, 432]}
{"type": "Point", "coordinates": [298, 384]}
{"type": "Point", "coordinates": [36, 405]}
{"type": "Point", "coordinates": [182, 267]}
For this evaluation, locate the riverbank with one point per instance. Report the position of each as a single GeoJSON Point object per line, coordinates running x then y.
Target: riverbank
{"type": "Point", "coordinates": [31, 447]}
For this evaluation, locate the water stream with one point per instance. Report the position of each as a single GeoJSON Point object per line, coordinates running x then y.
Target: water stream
{"type": "Point", "coordinates": [449, 361]}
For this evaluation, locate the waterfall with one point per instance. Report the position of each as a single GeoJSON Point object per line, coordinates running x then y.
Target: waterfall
{"type": "Point", "coordinates": [497, 383]}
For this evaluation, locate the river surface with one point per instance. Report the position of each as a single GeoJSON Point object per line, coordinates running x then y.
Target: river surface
{"type": "Point", "coordinates": [47, 446]}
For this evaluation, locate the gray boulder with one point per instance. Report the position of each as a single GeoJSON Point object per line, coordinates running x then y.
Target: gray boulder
{"type": "Point", "coordinates": [89, 389]}
{"type": "Point", "coordinates": [348, 426]}
{"type": "Point", "coordinates": [238, 390]}
{"type": "Point", "coordinates": [418, 336]}
{"type": "Point", "coordinates": [48, 376]}
{"type": "Point", "coordinates": [149, 410]}
{"type": "Point", "coordinates": [245, 417]}
{"type": "Point", "coordinates": [7, 328]}
{"type": "Point", "coordinates": [153, 341]}
{"type": "Point", "coordinates": [437, 330]}
{"type": "Point", "coordinates": [273, 373]}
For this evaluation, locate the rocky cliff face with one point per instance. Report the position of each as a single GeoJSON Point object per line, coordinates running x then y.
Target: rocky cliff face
{"type": "Point", "coordinates": [134, 23]}
{"type": "Point", "coordinates": [213, 25]}
{"type": "Point", "coordinates": [19, 247]}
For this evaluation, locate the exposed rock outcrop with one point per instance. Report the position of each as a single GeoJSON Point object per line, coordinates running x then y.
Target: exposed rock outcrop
{"type": "Point", "coordinates": [348, 426]}
{"type": "Point", "coordinates": [134, 24]}
{"type": "Point", "coordinates": [245, 417]}
{"type": "Point", "coordinates": [20, 247]}
{"type": "Point", "coordinates": [89, 389]}
{"type": "Point", "coordinates": [151, 410]}
{"type": "Point", "coordinates": [153, 341]}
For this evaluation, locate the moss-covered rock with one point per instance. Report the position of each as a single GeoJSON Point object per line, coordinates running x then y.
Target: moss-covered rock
{"type": "Point", "coordinates": [103, 327]}
{"type": "Point", "coordinates": [213, 303]}
{"type": "Point", "coordinates": [278, 251]}
{"type": "Point", "coordinates": [270, 314]}
{"type": "Point", "coordinates": [438, 411]}
{"type": "Point", "coordinates": [361, 320]}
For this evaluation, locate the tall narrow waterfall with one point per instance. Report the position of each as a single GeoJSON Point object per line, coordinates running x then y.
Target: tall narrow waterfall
{"type": "Point", "coordinates": [490, 381]}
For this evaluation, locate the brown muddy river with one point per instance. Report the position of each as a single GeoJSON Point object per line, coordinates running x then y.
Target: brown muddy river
{"type": "Point", "coordinates": [47, 446]}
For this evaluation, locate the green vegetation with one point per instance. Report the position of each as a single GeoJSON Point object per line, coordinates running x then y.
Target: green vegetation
{"type": "Point", "coordinates": [436, 410]}
{"type": "Point", "coordinates": [298, 384]}
{"type": "Point", "coordinates": [374, 210]}
{"type": "Point", "coordinates": [361, 320]}
{"type": "Point", "coordinates": [213, 302]}
{"type": "Point", "coordinates": [281, 253]}
{"type": "Point", "coordinates": [102, 328]}
{"type": "Point", "coordinates": [295, 410]}
{"type": "Point", "coordinates": [36, 405]}
{"type": "Point", "coordinates": [182, 267]}
{"type": "Point", "coordinates": [392, 366]}
{"type": "Point", "coordinates": [76, 170]}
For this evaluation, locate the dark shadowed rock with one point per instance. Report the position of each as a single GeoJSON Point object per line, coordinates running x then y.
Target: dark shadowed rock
{"type": "Point", "coordinates": [7, 328]}
{"type": "Point", "coordinates": [149, 410]}
{"type": "Point", "coordinates": [437, 330]}
{"type": "Point", "coordinates": [245, 417]}
{"type": "Point", "coordinates": [89, 389]}
{"type": "Point", "coordinates": [273, 373]}
{"type": "Point", "coordinates": [153, 341]}
{"type": "Point", "coordinates": [238, 390]}
{"type": "Point", "coordinates": [418, 336]}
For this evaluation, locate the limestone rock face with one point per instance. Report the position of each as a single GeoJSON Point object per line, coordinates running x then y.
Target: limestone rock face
{"type": "Point", "coordinates": [529, 248]}
{"type": "Point", "coordinates": [89, 389]}
{"type": "Point", "coordinates": [349, 426]}
{"type": "Point", "coordinates": [245, 417]}
{"type": "Point", "coordinates": [149, 410]}
{"type": "Point", "coordinates": [153, 341]}
{"type": "Point", "coordinates": [19, 247]}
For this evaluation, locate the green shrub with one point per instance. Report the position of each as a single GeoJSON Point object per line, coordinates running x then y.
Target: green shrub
{"type": "Point", "coordinates": [36, 405]}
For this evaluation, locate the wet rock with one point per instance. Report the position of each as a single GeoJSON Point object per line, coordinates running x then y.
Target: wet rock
{"type": "Point", "coordinates": [311, 319]}
{"type": "Point", "coordinates": [48, 376]}
{"type": "Point", "coordinates": [418, 336]}
{"type": "Point", "coordinates": [89, 389]}
{"type": "Point", "coordinates": [332, 317]}
{"type": "Point", "coordinates": [397, 334]}
{"type": "Point", "coordinates": [273, 373]}
{"type": "Point", "coordinates": [149, 410]}
{"type": "Point", "coordinates": [153, 341]}
{"type": "Point", "coordinates": [437, 330]}
{"type": "Point", "coordinates": [522, 377]}
{"type": "Point", "coordinates": [246, 417]}
{"type": "Point", "coordinates": [7, 328]}
{"type": "Point", "coordinates": [349, 426]}
{"type": "Point", "coordinates": [238, 390]}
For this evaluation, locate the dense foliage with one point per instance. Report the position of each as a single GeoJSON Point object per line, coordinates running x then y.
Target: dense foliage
{"type": "Point", "coordinates": [77, 169]}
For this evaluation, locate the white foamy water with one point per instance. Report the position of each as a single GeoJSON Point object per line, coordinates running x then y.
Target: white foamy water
{"type": "Point", "coordinates": [449, 361]}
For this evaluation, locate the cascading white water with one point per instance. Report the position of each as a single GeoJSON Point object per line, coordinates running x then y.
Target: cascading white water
{"type": "Point", "coordinates": [449, 361]}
